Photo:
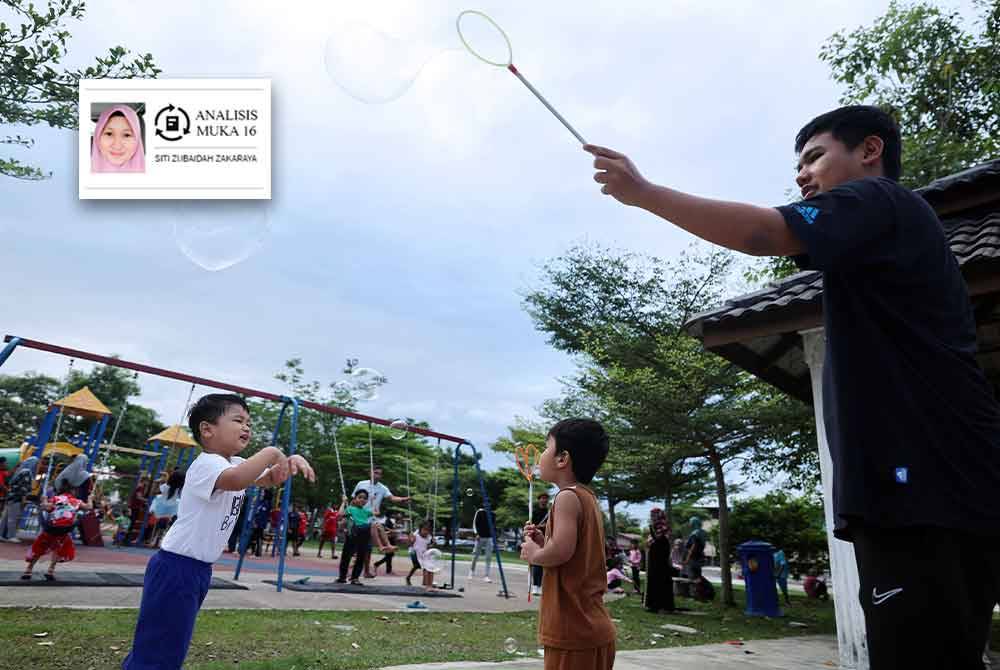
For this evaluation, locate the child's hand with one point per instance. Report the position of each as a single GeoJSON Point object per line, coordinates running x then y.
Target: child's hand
{"type": "Point", "coordinates": [298, 465]}
{"type": "Point", "coordinates": [278, 472]}
{"type": "Point", "coordinates": [529, 549]}
{"type": "Point", "coordinates": [619, 175]}
{"type": "Point", "coordinates": [532, 532]}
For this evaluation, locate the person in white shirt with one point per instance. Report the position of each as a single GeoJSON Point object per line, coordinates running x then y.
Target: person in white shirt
{"type": "Point", "coordinates": [377, 493]}
{"type": "Point", "coordinates": [178, 576]}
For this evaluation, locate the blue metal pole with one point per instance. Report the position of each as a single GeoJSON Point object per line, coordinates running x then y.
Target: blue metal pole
{"type": "Point", "coordinates": [251, 500]}
{"type": "Point", "coordinates": [287, 495]}
{"type": "Point", "coordinates": [280, 529]}
{"type": "Point", "coordinates": [48, 423]}
{"type": "Point", "coordinates": [489, 519]}
{"type": "Point", "coordinates": [96, 439]}
{"type": "Point", "coordinates": [9, 349]}
{"type": "Point", "coordinates": [454, 513]}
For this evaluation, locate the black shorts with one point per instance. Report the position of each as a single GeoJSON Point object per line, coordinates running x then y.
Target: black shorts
{"type": "Point", "coordinates": [415, 561]}
{"type": "Point", "coordinates": [927, 594]}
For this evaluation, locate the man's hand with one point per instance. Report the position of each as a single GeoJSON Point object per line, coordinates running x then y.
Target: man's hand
{"type": "Point", "coordinates": [300, 466]}
{"type": "Point", "coordinates": [619, 175]}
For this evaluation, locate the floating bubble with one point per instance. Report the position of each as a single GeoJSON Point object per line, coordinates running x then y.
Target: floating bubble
{"type": "Point", "coordinates": [470, 492]}
{"type": "Point", "coordinates": [398, 429]}
{"type": "Point", "coordinates": [432, 561]}
{"type": "Point", "coordinates": [510, 645]}
{"type": "Point", "coordinates": [343, 391]}
{"type": "Point", "coordinates": [218, 234]}
{"type": "Point", "coordinates": [371, 66]}
{"type": "Point", "coordinates": [536, 471]}
{"type": "Point", "coordinates": [366, 382]}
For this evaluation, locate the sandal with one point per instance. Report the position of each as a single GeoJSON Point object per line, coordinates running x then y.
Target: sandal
{"type": "Point", "coordinates": [26, 576]}
{"type": "Point", "coordinates": [49, 577]}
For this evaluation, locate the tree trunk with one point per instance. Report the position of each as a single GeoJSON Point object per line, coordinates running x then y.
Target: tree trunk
{"type": "Point", "coordinates": [723, 549]}
{"type": "Point", "coordinates": [668, 503]}
{"type": "Point", "coordinates": [613, 530]}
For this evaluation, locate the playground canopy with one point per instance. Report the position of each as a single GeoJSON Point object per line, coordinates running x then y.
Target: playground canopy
{"type": "Point", "coordinates": [83, 403]}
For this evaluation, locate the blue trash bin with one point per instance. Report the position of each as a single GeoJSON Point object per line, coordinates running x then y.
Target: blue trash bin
{"type": "Point", "coordinates": [757, 561]}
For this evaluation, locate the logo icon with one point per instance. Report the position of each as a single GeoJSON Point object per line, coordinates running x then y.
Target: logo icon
{"type": "Point", "coordinates": [808, 213]}
{"type": "Point", "coordinates": [168, 123]}
{"type": "Point", "coordinates": [879, 598]}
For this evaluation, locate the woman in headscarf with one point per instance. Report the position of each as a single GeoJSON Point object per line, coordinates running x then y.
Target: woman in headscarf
{"type": "Point", "coordinates": [659, 582]}
{"type": "Point", "coordinates": [117, 144]}
{"type": "Point", "coordinates": [18, 488]}
{"type": "Point", "coordinates": [77, 475]}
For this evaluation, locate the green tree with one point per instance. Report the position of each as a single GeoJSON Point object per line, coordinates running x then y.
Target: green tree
{"type": "Point", "coordinates": [624, 314]}
{"type": "Point", "coordinates": [941, 82]}
{"type": "Point", "coordinates": [795, 524]}
{"type": "Point", "coordinates": [34, 89]}
{"type": "Point", "coordinates": [24, 399]}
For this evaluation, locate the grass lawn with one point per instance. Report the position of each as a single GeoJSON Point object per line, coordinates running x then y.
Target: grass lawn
{"type": "Point", "coordinates": [287, 640]}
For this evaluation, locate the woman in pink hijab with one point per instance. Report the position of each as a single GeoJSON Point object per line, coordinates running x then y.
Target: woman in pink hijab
{"type": "Point", "coordinates": [117, 145]}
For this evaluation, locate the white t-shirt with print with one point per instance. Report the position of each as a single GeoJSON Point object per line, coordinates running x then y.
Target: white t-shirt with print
{"type": "Point", "coordinates": [206, 517]}
{"type": "Point", "coordinates": [375, 496]}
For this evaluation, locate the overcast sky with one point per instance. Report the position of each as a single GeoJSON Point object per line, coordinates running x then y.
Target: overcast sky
{"type": "Point", "coordinates": [404, 233]}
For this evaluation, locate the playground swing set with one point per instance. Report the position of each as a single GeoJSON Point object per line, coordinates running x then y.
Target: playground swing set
{"type": "Point", "coordinates": [154, 459]}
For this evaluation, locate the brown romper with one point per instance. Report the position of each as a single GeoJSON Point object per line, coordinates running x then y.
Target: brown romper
{"type": "Point", "coordinates": [573, 624]}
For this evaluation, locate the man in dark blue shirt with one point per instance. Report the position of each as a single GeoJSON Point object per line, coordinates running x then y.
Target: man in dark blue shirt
{"type": "Point", "coordinates": [911, 420]}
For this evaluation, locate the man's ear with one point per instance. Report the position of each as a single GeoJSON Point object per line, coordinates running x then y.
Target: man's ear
{"type": "Point", "coordinates": [873, 149]}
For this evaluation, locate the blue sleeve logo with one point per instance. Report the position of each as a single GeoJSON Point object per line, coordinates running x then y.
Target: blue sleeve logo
{"type": "Point", "coordinates": [808, 213]}
{"type": "Point", "coordinates": [902, 475]}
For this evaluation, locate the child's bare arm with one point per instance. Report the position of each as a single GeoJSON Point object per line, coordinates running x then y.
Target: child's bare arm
{"type": "Point", "coordinates": [562, 544]}
{"type": "Point", "coordinates": [247, 472]}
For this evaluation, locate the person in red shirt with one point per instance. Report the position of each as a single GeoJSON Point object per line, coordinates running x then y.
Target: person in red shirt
{"type": "Point", "coordinates": [331, 517]}
{"type": "Point", "coordinates": [56, 528]}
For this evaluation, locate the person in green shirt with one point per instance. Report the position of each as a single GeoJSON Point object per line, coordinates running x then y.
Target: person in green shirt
{"type": "Point", "coordinates": [357, 538]}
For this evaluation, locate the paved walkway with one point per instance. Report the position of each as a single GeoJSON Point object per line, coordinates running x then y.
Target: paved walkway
{"type": "Point", "coordinates": [800, 653]}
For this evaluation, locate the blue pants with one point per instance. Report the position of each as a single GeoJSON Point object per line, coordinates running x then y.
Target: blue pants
{"type": "Point", "coordinates": [172, 592]}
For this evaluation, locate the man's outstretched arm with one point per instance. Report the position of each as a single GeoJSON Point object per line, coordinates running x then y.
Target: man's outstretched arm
{"type": "Point", "coordinates": [758, 231]}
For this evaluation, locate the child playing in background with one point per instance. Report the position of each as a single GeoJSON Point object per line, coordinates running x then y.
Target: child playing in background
{"type": "Point", "coordinates": [178, 575]}
{"type": "Point", "coordinates": [122, 522]}
{"type": "Point", "coordinates": [635, 562]}
{"type": "Point", "coordinates": [56, 527]}
{"type": "Point", "coordinates": [421, 542]}
{"type": "Point", "coordinates": [615, 579]}
{"type": "Point", "coordinates": [330, 519]}
{"type": "Point", "coordinates": [357, 541]}
{"type": "Point", "coordinates": [573, 624]}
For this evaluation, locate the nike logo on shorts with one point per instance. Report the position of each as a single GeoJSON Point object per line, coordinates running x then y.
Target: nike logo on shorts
{"type": "Point", "coordinates": [879, 598]}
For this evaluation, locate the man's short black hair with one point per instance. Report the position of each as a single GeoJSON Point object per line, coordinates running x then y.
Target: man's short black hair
{"type": "Point", "coordinates": [586, 442]}
{"type": "Point", "coordinates": [543, 494]}
{"type": "Point", "coordinates": [209, 408]}
{"type": "Point", "coordinates": [851, 125]}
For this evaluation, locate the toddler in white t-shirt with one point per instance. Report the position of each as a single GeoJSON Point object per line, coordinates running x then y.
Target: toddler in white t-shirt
{"type": "Point", "coordinates": [177, 577]}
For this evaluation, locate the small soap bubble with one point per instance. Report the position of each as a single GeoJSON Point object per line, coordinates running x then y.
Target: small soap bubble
{"type": "Point", "coordinates": [398, 429]}
{"type": "Point", "coordinates": [366, 383]}
{"type": "Point", "coordinates": [510, 645]}
{"type": "Point", "coordinates": [218, 234]}
{"type": "Point", "coordinates": [470, 492]}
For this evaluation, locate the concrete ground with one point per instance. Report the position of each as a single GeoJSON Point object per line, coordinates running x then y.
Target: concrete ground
{"type": "Point", "coordinates": [479, 596]}
{"type": "Point", "coordinates": [800, 653]}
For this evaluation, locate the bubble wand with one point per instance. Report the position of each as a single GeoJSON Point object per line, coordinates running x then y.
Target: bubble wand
{"type": "Point", "coordinates": [526, 458]}
{"type": "Point", "coordinates": [509, 65]}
